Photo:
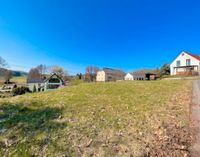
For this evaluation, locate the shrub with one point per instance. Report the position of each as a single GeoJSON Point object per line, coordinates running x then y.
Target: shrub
{"type": "Point", "coordinates": [20, 91]}
{"type": "Point", "coordinates": [34, 89]}
{"type": "Point", "coordinates": [164, 70]}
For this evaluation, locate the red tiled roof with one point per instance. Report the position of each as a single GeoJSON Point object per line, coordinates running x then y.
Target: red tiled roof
{"type": "Point", "coordinates": [193, 55]}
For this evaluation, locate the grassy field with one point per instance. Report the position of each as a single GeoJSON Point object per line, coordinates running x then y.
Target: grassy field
{"type": "Point", "coordinates": [18, 80]}
{"type": "Point", "coordinates": [98, 119]}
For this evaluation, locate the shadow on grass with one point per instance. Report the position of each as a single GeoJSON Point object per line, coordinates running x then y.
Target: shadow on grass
{"type": "Point", "coordinates": [24, 124]}
{"type": "Point", "coordinates": [29, 117]}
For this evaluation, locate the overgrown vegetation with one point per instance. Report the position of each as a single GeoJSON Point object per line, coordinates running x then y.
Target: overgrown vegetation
{"type": "Point", "coordinates": [98, 119]}
{"type": "Point", "coordinates": [164, 70]}
{"type": "Point", "coordinates": [20, 91]}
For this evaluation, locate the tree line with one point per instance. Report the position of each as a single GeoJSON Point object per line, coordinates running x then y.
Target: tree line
{"type": "Point", "coordinates": [42, 71]}
{"type": "Point", "coordinates": [4, 72]}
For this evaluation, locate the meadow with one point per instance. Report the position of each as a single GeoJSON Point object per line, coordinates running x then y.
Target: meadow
{"type": "Point", "coordinates": [20, 80]}
{"type": "Point", "coordinates": [135, 119]}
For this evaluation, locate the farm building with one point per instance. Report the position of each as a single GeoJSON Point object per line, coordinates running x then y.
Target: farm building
{"type": "Point", "coordinates": [108, 74]}
{"type": "Point", "coordinates": [140, 75]}
{"type": "Point", "coordinates": [185, 64]}
{"type": "Point", "coordinates": [44, 84]}
{"type": "Point", "coordinates": [129, 77]}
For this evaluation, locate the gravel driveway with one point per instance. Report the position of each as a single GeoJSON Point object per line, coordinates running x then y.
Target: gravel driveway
{"type": "Point", "coordinates": [196, 115]}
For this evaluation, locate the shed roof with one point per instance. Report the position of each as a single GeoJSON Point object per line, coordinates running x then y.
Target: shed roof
{"type": "Point", "coordinates": [145, 71]}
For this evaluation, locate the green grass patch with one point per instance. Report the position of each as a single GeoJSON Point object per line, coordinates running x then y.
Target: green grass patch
{"type": "Point", "coordinates": [88, 118]}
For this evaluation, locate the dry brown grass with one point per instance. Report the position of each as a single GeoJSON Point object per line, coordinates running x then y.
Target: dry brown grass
{"type": "Point", "coordinates": [99, 119]}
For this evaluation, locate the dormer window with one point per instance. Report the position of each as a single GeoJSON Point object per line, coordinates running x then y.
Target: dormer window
{"type": "Point", "coordinates": [178, 63]}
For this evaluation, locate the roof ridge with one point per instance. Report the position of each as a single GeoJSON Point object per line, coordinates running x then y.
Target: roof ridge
{"type": "Point", "coordinates": [193, 55]}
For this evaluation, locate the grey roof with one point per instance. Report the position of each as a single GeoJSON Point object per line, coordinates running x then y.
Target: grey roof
{"type": "Point", "coordinates": [42, 80]}
{"type": "Point", "coordinates": [35, 80]}
{"type": "Point", "coordinates": [144, 71]}
{"type": "Point", "coordinates": [109, 70]}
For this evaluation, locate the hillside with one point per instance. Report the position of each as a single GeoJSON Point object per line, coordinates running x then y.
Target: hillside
{"type": "Point", "coordinates": [15, 73]}
{"type": "Point", "coordinates": [19, 73]}
{"type": "Point", "coordinates": [101, 119]}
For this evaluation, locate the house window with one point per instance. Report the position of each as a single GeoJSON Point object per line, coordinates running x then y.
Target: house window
{"type": "Point", "coordinates": [178, 63]}
{"type": "Point", "coordinates": [188, 62]}
{"type": "Point", "coordinates": [54, 80]}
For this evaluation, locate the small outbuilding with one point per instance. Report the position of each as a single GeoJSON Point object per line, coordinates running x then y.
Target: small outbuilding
{"type": "Point", "coordinates": [140, 75]}
{"type": "Point", "coordinates": [129, 77]}
{"type": "Point", "coordinates": [44, 84]}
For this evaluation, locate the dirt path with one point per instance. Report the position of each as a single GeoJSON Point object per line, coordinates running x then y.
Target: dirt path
{"type": "Point", "coordinates": [196, 116]}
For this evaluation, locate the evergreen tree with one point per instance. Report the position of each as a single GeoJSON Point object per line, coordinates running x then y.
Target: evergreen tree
{"type": "Point", "coordinates": [164, 70]}
{"type": "Point", "coordinates": [34, 89]}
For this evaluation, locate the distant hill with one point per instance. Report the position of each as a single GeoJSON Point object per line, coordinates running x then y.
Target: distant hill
{"type": "Point", "coordinates": [15, 73]}
{"type": "Point", "coordinates": [19, 73]}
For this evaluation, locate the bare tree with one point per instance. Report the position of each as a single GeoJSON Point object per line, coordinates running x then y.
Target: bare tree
{"type": "Point", "coordinates": [57, 69]}
{"type": "Point", "coordinates": [7, 76]}
{"type": "Point", "coordinates": [4, 72]}
{"type": "Point", "coordinates": [66, 72]}
{"type": "Point", "coordinates": [66, 76]}
{"type": "Point", "coordinates": [42, 69]}
{"type": "Point", "coordinates": [34, 73]}
{"type": "Point", "coordinates": [3, 63]}
{"type": "Point", "coordinates": [91, 71]}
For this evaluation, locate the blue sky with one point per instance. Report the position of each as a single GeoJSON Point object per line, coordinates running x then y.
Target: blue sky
{"type": "Point", "coordinates": [125, 34]}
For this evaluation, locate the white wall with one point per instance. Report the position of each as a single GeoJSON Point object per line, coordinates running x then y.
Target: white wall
{"type": "Point", "coordinates": [101, 76]}
{"type": "Point", "coordinates": [182, 57]}
{"type": "Point", "coordinates": [128, 77]}
{"type": "Point", "coordinates": [31, 86]}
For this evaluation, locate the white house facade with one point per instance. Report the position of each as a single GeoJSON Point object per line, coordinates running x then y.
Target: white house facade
{"type": "Point", "coordinates": [45, 84]}
{"type": "Point", "coordinates": [129, 77]}
{"type": "Point", "coordinates": [101, 76]}
{"type": "Point", "coordinates": [185, 64]}
{"type": "Point", "coordinates": [108, 74]}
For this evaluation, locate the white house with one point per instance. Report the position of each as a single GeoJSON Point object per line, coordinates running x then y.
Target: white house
{"type": "Point", "coordinates": [44, 84]}
{"type": "Point", "coordinates": [185, 64]}
{"type": "Point", "coordinates": [108, 74]}
{"type": "Point", "coordinates": [129, 77]}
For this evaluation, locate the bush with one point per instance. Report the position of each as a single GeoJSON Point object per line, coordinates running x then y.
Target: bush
{"type": "Point", "coordinates": [20, 91]}
{"type": "Point", "coordinates": [164, 70]}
